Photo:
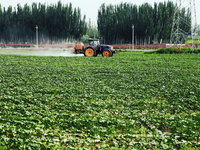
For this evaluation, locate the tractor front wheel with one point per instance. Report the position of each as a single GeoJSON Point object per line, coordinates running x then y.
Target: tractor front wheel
{"type": "Point", "coordinates": [89, 52]}
{"type": "Point", "coordinates": [107, 53]}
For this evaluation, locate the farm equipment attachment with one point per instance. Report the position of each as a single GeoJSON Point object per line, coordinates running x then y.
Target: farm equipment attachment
{"type": "Point", "coordinates": [94, 48]}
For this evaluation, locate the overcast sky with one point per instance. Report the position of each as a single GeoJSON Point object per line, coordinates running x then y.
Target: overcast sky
{"type": "Point", "coordinates": [90, 7]}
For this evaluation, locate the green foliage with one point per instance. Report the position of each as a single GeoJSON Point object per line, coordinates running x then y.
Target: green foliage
{"type": "Point", "coordinates": [130, 101]}
{"type": "Point", "coordinates": [55, 22]}
{"type": "Point", "coordinates": [190, 42]}
{"type": "Point", "coordinates": [85, 38]}
{"type": "Point", "coordinates": [151, 24]}
{"type": "Point", "coordinates": [175, 50]}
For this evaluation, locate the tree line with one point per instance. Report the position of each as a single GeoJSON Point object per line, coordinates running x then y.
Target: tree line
{"type": "Point", "coordinates": [58, 22]}
{"type": "Point", "coordinates": [55, 22]}
{"type": "Point", "coordinates": [151, 24]}
{"type": "Point", "coordinates": [91, 32]}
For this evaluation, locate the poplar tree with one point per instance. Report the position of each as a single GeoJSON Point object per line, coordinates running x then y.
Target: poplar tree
{"type": "Point", "coordinates": [56, 22]}
{"type": "Point", "coordinates": [152, 24]}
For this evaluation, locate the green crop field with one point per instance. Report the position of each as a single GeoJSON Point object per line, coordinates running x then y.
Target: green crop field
{"type": "Point", "coordinates": [129, 101]}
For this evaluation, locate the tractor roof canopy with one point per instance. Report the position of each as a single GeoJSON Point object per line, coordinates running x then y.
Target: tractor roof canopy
{"type": "Point", "coordinates": [93, 39]}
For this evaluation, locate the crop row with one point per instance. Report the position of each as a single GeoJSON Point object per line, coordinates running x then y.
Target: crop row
{"type": "Point", "coordinates": [131, 100]}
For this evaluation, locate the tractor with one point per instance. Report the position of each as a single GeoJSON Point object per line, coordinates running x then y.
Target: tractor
{"type": "Point", "coordinates": [94, 48]}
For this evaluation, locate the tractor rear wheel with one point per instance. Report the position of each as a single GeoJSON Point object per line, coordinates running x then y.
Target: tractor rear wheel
{"type": "Point", "coordinates": [89, 52]}
{"type": "Point", "coordinates": [107, 53]}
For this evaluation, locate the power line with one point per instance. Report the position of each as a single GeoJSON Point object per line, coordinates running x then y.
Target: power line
{"type": "Point", "coordinates": [184, 28]}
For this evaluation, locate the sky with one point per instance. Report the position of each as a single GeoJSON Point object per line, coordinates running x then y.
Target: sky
{"type": "Point", "coordinates": [90, 7]}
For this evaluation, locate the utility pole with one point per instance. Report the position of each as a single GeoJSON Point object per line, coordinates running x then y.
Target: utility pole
{"type": "Point", "coordinates": [198, 35]}
{"type": "Point", "coordinates": [178, 33]}
{"type": "Point", "coordinates": [133, 37]}
{"type": "Point", "coordinates": [36, 36]}
{"type": "Point", "coordinates": [192, 30]}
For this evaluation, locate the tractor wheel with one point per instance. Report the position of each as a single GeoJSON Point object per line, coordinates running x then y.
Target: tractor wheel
{"type": "Point", "coordinates": [111, 54]}
{"type": "Point", "coordinates": [107, 53]}
{"type": "Point", "coordinates": [89, 52]}
{"type": "Point", "coordinates": [75, 51]}
{"type": "Point", "coordinates": [96, 54]}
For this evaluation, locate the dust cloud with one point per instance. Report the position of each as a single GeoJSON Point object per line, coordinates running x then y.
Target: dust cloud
{"type": "Point", "coordinates": [66, 52]}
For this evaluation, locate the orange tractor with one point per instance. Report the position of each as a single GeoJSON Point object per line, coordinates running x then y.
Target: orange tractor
{"type": "Point", "coordinates": [94, 49]}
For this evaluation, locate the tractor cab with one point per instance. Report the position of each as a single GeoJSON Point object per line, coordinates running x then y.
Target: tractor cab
{"type": "Point", "coordinates": [95, 43]}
